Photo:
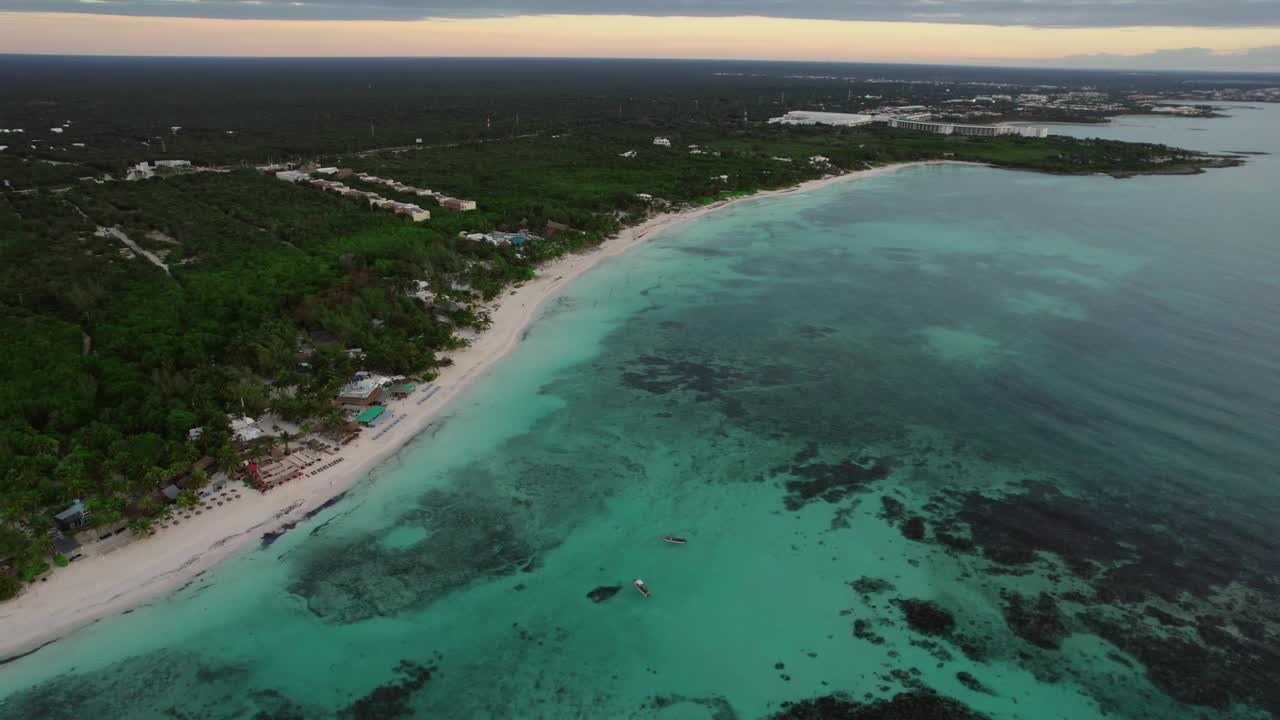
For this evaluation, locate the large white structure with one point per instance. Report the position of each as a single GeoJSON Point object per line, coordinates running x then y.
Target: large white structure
{"type": "Point", "coordinates": [292, 176]}
{"type": "Point", "coordinates": [970, 130]}
{"type": "Point", "coordinates": [661, 142]}
{"type": "Point", "coordinates": [245, 429]}
{"type": "Point", "coordinates": [814, 117]}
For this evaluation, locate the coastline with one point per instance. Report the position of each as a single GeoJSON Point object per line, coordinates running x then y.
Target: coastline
{"type": "Point", "coordinates": [82, 593]}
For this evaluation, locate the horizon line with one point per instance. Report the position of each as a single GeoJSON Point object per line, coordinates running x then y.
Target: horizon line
{"type": "Point", "coordinates": [978, 64]}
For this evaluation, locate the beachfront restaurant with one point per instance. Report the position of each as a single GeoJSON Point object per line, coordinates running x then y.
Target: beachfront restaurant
{"type": "Point", "coordinates": [370, 415]}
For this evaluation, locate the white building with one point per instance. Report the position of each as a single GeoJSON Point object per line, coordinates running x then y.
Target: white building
{"type": "Point", "coordinates": [969, 130]}
{"type": "Point", "coordinates": [172, 163]}
{"type": "Point", "coordinates": [814, 117]}
{"type": "Point", "coordinates": [245, 429]}
{"type": "Point", "coordinates": [661, 142]}
{"type": "Point", "coordinates": [296, 176]}
{"type": "Point", "coordinates": [422, 293]}
{"type": "Point", "coordinates": [326, 171]}
{"type": "Point", "coordinates": [417, 214]}
{"type": "Point", "coordinates": [457, 204]}
{"type": "Point", "coordinates": [628, 154]}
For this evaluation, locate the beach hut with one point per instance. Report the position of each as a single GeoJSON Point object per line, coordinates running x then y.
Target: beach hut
{"type": "Point", "coordinates": [403, 390]}
{"type": "Point", "coordinates": [73, 517]}
{"type": "Point", "coordinates": [370, 414]}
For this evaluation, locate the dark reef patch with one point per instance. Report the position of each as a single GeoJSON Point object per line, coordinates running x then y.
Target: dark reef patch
{"type": "Point", "coordinates": [926, 617]}
{"type": "Point", "coordinates": [913, 528]}
{"type": "Point", "coordinates": [870, 586]}
{"type": "Point", "coordinates": [972, 683]}
{"type": "Point", "coordinates": [1039, 622]}
{"type": "Point", "coordinates": [604, 592]}
{"type": "Point", "coordinates": [707, 380]}
{"type": "Point", "coordinates": [143, 685]}
{"type": "Point", "coordinates": [1173, 578]}
{"type": "Point", "coordinates": [919, 705]}
{"type": "Point", "coordinates": [718, 706]}
{"type": "Point", "coordinates": [831, 482]}
{"type": "Point", "coordinates": [862, 630]}
{"type": "Point", "coordinates": [470, 537]}
{"type": "Point", "coordinates": [658, 375]}
{"type": "Point", "coordinates": [891, 508]}
{"type": "Point", "coordinates": [1185, 668]}
{"type": "Point", "coordinates": [391, 700]}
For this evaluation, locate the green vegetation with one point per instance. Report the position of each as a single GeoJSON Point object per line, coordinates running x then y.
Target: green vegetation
{"type": "Point", "coordinates": [111, 359]}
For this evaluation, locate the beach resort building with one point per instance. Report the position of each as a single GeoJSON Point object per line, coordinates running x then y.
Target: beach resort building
{"type": "Point", "coordinates": [968, 130]}
{"type": "Point", "coordinates": [245, 429]}
{"type": "Point", "coordinates": [364, 390]}
{"type": "Point", "coordinates": [456, 204]}
{"type": "Point", "coordinates": [411, 211]}
{"type": "Point", "coordinates": [295, 176]}
{"type": "Point", "coordinates": [661, 142]}
{"type": "Point", "coordinates": [813, 117]}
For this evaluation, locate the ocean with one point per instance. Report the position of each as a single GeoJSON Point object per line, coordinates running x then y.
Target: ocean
{"type": "Point", "coordinates": [948, 442]}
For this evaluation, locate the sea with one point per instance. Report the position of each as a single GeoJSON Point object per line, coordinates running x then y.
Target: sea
{"type": "Point", "coordinates": [947, 442]}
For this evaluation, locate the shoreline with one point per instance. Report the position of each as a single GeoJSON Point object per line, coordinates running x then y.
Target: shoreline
{"type": "Point", "coordinates": [98, 587]}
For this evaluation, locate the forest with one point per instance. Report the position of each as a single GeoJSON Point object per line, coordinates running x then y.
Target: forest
{"type": "Point", "coordinates": [259, 287]}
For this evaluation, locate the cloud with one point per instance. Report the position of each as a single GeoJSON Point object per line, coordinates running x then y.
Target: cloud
{"type": "Point", "coordinates": [1042, 13]}
{"type": "Point", "coordinates": [1259, 59]}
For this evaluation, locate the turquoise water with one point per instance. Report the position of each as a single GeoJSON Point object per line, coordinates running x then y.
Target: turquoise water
{"type": "Point", "coordinates": [1003, 436]}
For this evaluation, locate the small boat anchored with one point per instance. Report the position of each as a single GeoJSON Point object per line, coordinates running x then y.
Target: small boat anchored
{"type": "Point", "coordinates": [644, 590]}
{"type": "Point", "coordinates": [674, 540]}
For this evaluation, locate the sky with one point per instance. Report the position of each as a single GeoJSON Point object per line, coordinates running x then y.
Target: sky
{"type": "Point", "coordinates": [1143, 34]}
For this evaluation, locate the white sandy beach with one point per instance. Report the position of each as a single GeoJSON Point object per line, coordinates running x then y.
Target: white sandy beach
{"type": "Point", "coordinates": [97, 587]}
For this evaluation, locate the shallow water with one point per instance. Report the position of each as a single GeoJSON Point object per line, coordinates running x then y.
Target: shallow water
{"type": "Point", "coordinates": [1004, 436]}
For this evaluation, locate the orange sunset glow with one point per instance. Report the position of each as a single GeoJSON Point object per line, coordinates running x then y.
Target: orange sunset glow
{"type": "Point", "coordinates": [606, 36]}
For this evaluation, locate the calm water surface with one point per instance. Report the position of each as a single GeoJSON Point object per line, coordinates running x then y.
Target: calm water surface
{"type": "Point", "coordinates": [1002, 436]}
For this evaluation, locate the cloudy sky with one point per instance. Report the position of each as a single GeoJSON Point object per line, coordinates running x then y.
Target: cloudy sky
{"type": "Point", "coordinates": [1210, 34]}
